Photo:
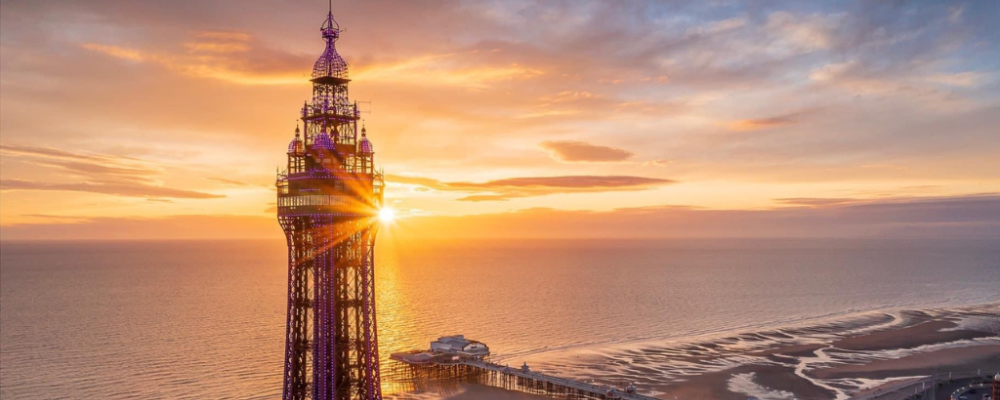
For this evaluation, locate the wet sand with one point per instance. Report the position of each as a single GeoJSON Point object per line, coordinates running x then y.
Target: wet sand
{"type": "Point", "coordinates": [482, 392]}
{"type": "Point", "coordinates": [796, 370]}
{"type": "Point", "coordinates": [925, 333]}
{"type": "Point", "coordinates": [959, 359]}
{"type": "Point", "coordinates": [718, 385]}
{"type": "Point", "coordinates": [778, 379]}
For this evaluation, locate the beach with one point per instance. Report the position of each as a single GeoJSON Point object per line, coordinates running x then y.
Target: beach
{"type": "Point", "coordinates": [889, 360]}
{"type": "Point", "coordinates": [822, 362]}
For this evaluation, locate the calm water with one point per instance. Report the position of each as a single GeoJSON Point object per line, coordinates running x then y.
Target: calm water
{"type": "Point", "coordinates": [205, 319]}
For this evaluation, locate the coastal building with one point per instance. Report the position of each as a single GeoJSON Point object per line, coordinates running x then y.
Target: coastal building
{"type": "Point", "coordinates": [459, 345]}
{"type": "Point", "coordinates": [446, 350]}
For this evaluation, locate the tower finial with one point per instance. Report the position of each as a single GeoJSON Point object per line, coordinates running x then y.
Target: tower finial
{"type": "Point", "coordinates": [330, 27]}
{"type": "Point", "coordinates": [330, 64]}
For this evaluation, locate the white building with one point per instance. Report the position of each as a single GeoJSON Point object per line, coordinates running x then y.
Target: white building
{"type": "Point", "coordinates": [461, 346]}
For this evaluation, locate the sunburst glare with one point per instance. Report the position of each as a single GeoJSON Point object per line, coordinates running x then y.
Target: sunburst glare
{"type": "Point", "coordinates": [386, 215]}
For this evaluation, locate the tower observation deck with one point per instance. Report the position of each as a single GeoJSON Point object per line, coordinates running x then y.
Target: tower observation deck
{"type": "Point", "coordinates": [328, 198]}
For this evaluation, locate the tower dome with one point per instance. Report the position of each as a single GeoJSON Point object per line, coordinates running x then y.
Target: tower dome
{"type": "Point", "coordinates": [322, 141]}
{"type": "Point", "coordinates": [296, 147]}
{"type": "Point", "coordinates": [365, 146]}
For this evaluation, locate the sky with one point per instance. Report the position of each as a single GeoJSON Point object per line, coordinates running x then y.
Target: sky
{"type": "Point", "coordinates": [166, 120]}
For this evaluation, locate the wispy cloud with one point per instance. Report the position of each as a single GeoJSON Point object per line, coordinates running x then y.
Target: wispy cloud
{"type": "Point", "coordinates": [232, 182]}
{"type": "Point", "coordinates": [227, 56]}
{"type": "Point", "coordinates": [93, 173]}
{"type": "Point", "coordinates": [658, 163]}
{"type": "Point", "coordinates": [817, 201]}
{"type": "Point", "coordinates": [510, 188]}
{"type": "Point", "coordinates": [574, 151]}
{"type": "Point", "coordinates": [453, 69]}
{"type": "Point", "coordinates": [118, 189]}
{"type": "Point", "coordinates": [49, 152]}
{"type": "Point", "coordinates": [776, 121]}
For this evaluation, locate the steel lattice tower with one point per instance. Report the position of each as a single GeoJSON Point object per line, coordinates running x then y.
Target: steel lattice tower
{"type": "Point", "coordinates": [328, 198]}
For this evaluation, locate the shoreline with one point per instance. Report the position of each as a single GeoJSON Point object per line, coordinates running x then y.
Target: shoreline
{"type": "Point", "coordinates": [858, 354]}
{"type": "Point", "coordinates": [806, 322]}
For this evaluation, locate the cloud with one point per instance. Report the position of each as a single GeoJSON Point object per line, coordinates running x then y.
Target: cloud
{"type": "Point", "coordinates": [959, 79]}
{"type": "Point", "coordinates": [548, 113]}
{"type": "Point", "coordinates": [49, 152]}
{"type": "Point", "coordinates": [96, 166]}
{"type": "Point", "coordinates": [716, 27]}
{"type": "Point", "coordinates": [225, 35]}
{"type": "Point", "coordinates": [927, 217]}
{"type": "Point", "coordinates": [232, 57]}
{"type": "Point", "coordinates": [93, 173]}
{"type": "Point", "coordinates": [235, 57]}
{"type": "Point", "coordinates": [658, 163]}
{"type": "Point", "coordinates": [217, 47]}
{"type": "Point", "coordinates": [793, 33]}
{"type": "Point", "coordinates": [228, 181]}
{"type": "Point", "coordinates": [200, 227]}
{"type": "Point", "coordinates": [118, 189]}
{"type": "Point", "coordinates": [461, 70]}
{"type": "Point", "coordinates": [776, 121]}
{"type": "Point", "coordinates": [574, 151]}
{"type": "Point", "coordinates": [566, 182]}
{"type": "Point", "coordinates": [83, 164]}
{"type": "Point", "coordinates": [117, 52]}
{"type": "Point", "coordinates": [510, 188]}
{"type": "Point", "coordinates": [817, 201]}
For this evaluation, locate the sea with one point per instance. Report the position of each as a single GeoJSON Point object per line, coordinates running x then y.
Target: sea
{"type": "Point", "coordinates": [205, 319]}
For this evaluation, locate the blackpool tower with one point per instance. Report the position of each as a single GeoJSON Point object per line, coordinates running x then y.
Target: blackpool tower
{"type": "Point", "coordinates": [328, 198]}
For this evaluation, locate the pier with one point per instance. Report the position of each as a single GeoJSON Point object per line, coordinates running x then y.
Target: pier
{"type": "Point", "coordinates": [458, 364]}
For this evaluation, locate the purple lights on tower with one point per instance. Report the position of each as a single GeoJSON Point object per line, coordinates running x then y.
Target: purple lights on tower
{"type": "Point", "coordinates": [328, 198]}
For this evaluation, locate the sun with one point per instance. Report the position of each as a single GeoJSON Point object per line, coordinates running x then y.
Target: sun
{"type": "Point", "coordinates": [386, 214]}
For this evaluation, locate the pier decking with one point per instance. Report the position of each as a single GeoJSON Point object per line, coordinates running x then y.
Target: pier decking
{"type": "Point", "coordinates": [539, 383]}
{"type": "Point", "coordinates": [457, 359]}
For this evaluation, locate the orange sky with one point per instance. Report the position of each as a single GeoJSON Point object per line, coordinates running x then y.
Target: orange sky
{"type": "Point", "coordinates": [140, 119]}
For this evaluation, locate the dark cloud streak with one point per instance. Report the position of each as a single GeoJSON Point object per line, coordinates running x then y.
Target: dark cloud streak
{"type": "Point", "coordinates": [117, 189]}
{"type": "Point", "coordinates": [510, 188]}
{"type": "Point", "coordinates": [574, 151]}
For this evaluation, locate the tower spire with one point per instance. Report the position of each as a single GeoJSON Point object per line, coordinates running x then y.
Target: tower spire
{"type": "Point", "coordinates": [330, 64]}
